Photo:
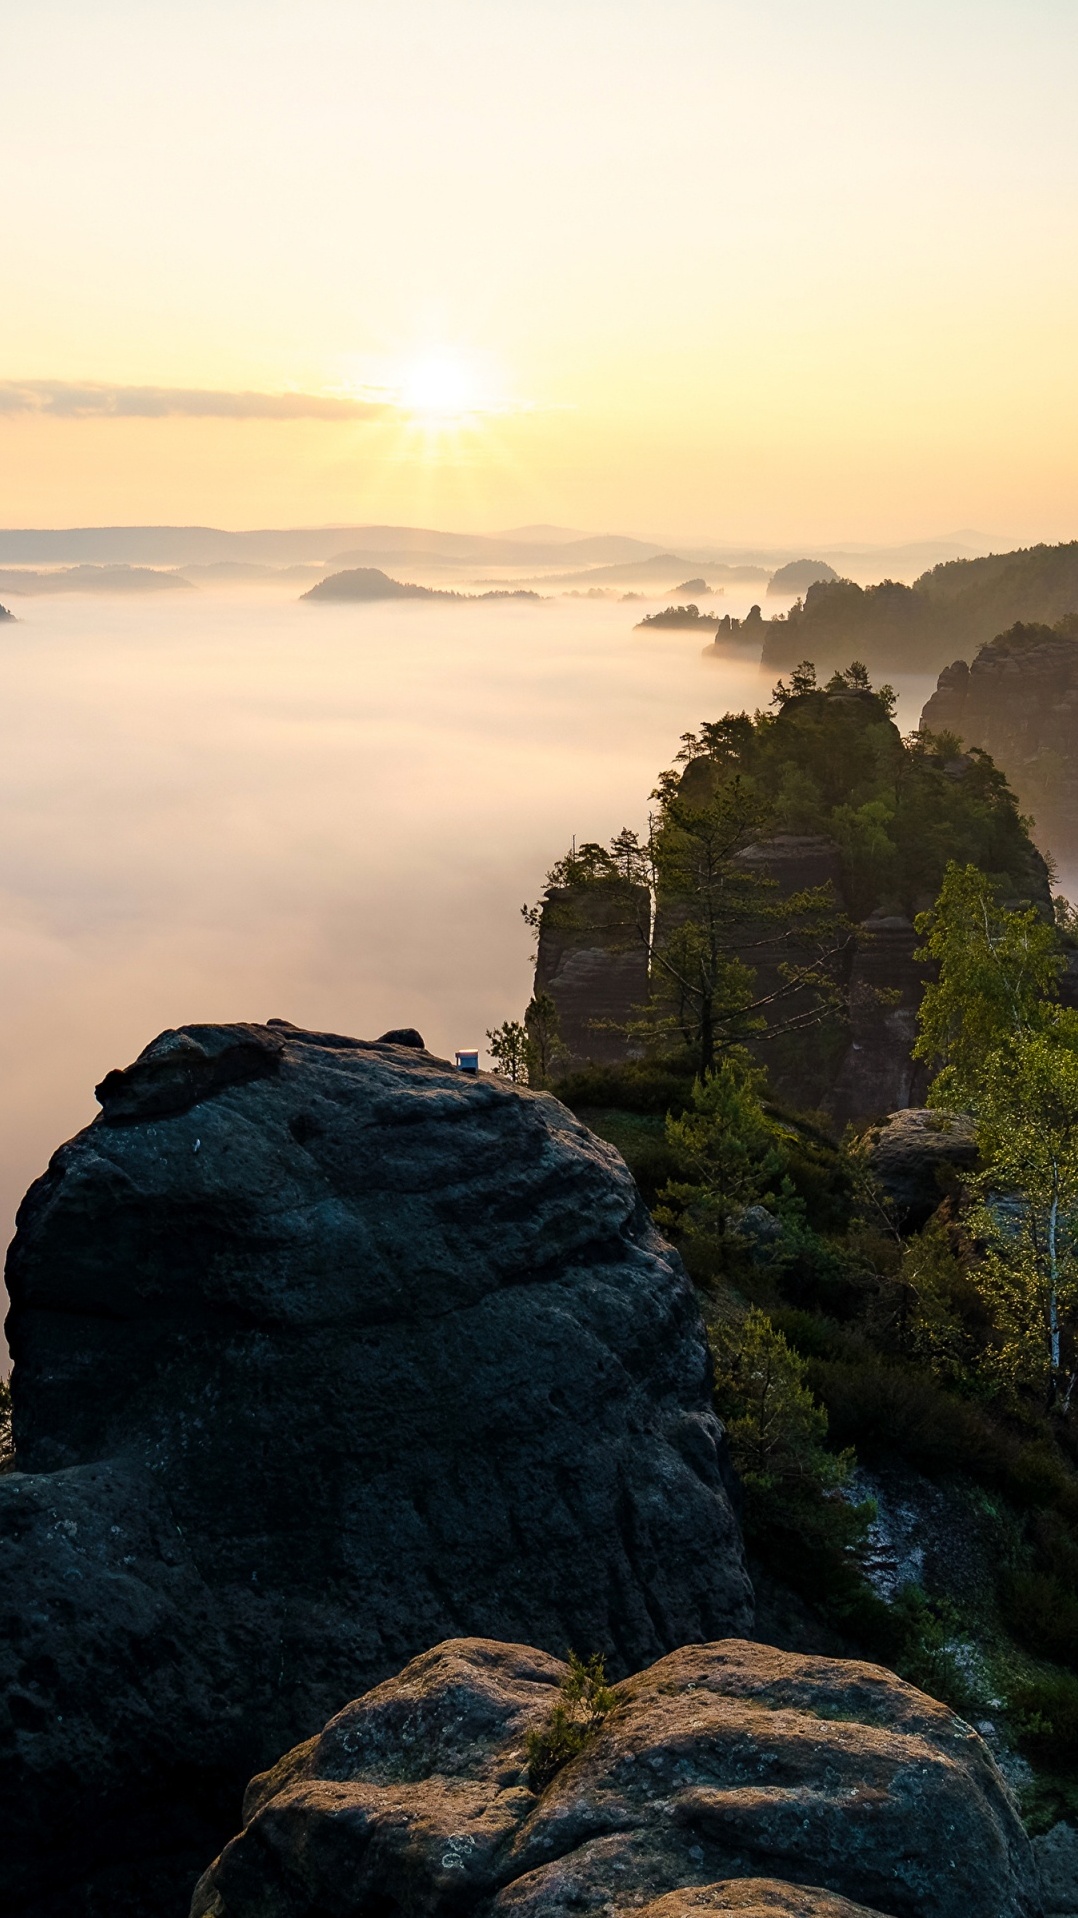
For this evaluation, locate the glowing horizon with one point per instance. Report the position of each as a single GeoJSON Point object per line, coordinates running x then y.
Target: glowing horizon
{"type": "Point", "coordinates": [707, 270]}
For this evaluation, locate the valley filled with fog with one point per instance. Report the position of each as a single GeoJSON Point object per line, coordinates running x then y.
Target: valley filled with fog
{"type": "Point", "coordinates": [230, 805]}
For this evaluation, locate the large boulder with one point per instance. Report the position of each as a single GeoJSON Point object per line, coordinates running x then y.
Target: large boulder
{"type": "Point", "coordinates": [918, 1156]}
{"type": "Point", "coordinates": [727, 1777]}
{"type": "Point", "coordinates": [323, 1352]}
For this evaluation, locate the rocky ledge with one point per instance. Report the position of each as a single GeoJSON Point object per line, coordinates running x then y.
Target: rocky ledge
{"type": "Point", "coordinates": [728, 1777]}
{"type": "Point", "coordinates": [324, 1352]}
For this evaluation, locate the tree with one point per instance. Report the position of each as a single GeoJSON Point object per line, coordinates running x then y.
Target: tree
{"type": "Point", "coordinates": [1027, 1109]}
{"type": "Point", "coordinates": [776, 1429]}
{"type": "Point", "coordinates": [509, 1049]}
{"type": "Point", "coordinates": [727, 1146]}
{"type": "Point", "coordinates": [543, 1047]}
{"type": "Point", "coordinates": [719, 916]}
{"type": "Point", "coordinates": [998, 972]}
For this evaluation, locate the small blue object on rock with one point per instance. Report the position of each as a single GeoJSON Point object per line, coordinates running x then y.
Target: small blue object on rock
{"type": "Point", "coordinates": [468, 1061]}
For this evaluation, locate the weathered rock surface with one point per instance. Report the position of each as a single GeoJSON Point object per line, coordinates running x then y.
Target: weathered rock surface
{"type": "Point", "coordinates": [1019, 702]}
{"type": "Point", "coordinates": [727, 1777]}
{"type": "Point", "coordinates": [1056, 1855]}
{"type": "Point", "coordinates": [879, 1072]}
{"type": "Point", "coordinates": [915, 1155]}
{"type": "Point", "coordinates": [592, 960]}
{"type": "Point", "coordinates": [323, 1352]}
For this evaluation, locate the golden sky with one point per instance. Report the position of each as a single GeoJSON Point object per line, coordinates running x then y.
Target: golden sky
{"type": "Point", "coordinates": [764, 271]}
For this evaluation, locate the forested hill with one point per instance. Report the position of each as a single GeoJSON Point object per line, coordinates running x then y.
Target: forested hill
{"type": "Point", "coordinates": [950, 610]}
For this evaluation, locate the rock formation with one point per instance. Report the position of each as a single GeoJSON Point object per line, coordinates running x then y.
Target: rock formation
{"type": "Point", "coordinates": [592, 959]}
{"type": "Point", "coordinates": [323, 1352]}
{"type": "Point", "coordinates": [916, 1155]}
{"type": "Point", "coordinates": [1019, 702]}
{"type": "Point", "coordinates": [878, 1072]}
{"type": "Point", "coordinates": [728, 1777]}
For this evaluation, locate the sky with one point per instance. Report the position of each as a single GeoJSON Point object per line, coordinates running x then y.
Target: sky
{"type": "Point", "coordinates": [740, 272]}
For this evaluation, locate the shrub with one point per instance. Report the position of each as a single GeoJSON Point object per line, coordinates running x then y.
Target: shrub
{"type": "Point", "coordinates": [585, 1700]}
{"type": "Point", "coordinates": [1042, 1613]}
{"type": "Point", "coordinates": [1044, 1711]}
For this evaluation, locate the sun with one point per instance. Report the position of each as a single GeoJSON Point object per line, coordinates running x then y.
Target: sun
{"type": "Point", "coordinates": [440, 386]}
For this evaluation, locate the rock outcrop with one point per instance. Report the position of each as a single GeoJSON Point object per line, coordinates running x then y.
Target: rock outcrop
{"type": "Point", "coordinates": [1056, 1854]}
{"type": "Point", "coordinates": [916, 1156]}
{"type": "Point", "coordinates": [1019, 702]}
{"type": "Point", "coordinates": [323, 1352]}
{"type": "Point", "coordinates": [592, 960]}
{"type": "Point", "coordinates": [879, 1072]}
{"type": "Point", "coordinates": [727, 1777]}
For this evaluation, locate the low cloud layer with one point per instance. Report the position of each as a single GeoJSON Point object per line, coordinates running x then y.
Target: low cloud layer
{"type": "Point", "coordinates": [63, 399]}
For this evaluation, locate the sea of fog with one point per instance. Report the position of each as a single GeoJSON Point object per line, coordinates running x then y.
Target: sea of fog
{"type": "Point", "coordinates": [231, 805]}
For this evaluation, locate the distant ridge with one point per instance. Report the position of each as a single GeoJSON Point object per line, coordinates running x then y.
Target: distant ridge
{"type": "Point", "coordinates": [369, 582]}
{"type": "Point", "coordinates": [953, 608]}
{"type": "Point", "coordinates": [203, 545]}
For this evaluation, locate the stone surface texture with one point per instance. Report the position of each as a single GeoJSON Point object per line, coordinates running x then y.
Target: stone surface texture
{"type": "Point", "coordinates": [1056, 1853]}
{"type": "Point", "coordinates": [324, 1352]}
{"type": "Point", "coordinates": [727, 1776]}
{"type": "Point", "coordinates": [1019, 702]}
{"type": "Point", "coordinates": [592, 960]}
{"type": "Point", "coordinates": [878, 1072]}
{"type": "Point", "coordinates": [916, 1154]}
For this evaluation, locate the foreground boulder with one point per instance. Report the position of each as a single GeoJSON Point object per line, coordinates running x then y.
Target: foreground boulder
{"type": "Point", "coordinates": [324, 1352]}
{"type": "Point", "coordinates": [728, 1777]}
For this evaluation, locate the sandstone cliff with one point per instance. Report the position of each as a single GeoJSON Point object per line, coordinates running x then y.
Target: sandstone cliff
{"type": "Point", "coordinates": [1019, 702]}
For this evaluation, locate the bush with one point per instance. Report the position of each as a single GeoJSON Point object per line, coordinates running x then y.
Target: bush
{"type": "Point", "coordinates": [657, 1085]}
{"type": "Point", "coordinates": [1042, 1613]}
{"type": "Point", "coordinates": [1044, 1712]}
{"type": "Point", "coordinates": [585, 1700]}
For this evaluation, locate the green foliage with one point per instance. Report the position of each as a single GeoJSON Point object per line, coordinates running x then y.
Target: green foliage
{"type": "Point", "coordinates": [508, 1045]}
{"type": "Point", "coordinates": [544, 1050]}
{"type": "Point", "coordinates": [727, 1147]}
{"type": "Point", "coordinates": [1044, 1712]}
{"type": "Point", "coordinates": [952, 608]}
{"type": "Point", "coordinates": [719, 915]}
{"type": "Point", "coordinates": [777, 1431]}
{"type": "Point", "coordinates": [585, 1701]}
{"type": "Point", "coordinates": [832, 761]}
{"type": "Point", "coordinates": [997, 970]}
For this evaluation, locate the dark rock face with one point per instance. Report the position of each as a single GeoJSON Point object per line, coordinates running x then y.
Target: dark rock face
{"type": "Point", "coordinates": [915, 1154]}
{"type": "Point", "coordinates": [879, 1073]}
{"type": "Point", "coordinates": [593, 962]}
{"type": "Point", "coordinates": [1056, 1854]}
{"type": "Point", "coordinates": [728, 1777]}
{"type": "Point", "coordinates": [323, 1351]}
{"type": "Point", "coordinates": [1019, 701]}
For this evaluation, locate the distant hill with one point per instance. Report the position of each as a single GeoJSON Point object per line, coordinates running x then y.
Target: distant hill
{"type": "Point", "coordinates": [799, 574]}
{"type": "Point", "coordinates": [281, 546]}
{"type": "Point", "coordinates": [369, 582]}
{"type": "Point", "coordinates": [4, 613]}
{"type": "Point", "coordinates": [660, 569]}
{"type": "Point", "coordinates": [93, 579]}
{"type": "Point", "coordinates": [684, 616]}
{"type": "Point", "coordinates": [953, 608]}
